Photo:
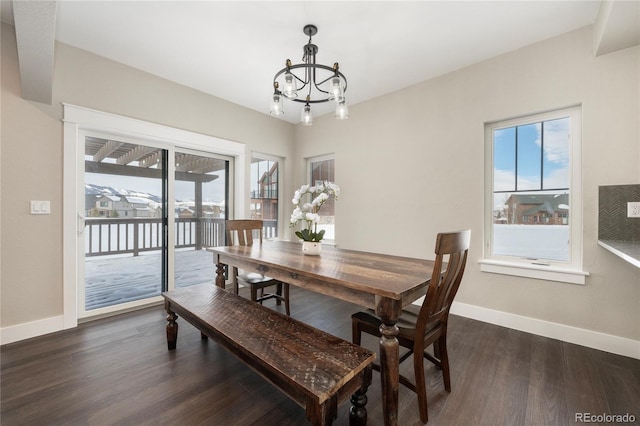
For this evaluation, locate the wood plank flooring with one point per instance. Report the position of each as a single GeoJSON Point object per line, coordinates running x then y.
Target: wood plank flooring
{"type": "Point", "coordinates": [118, 371]}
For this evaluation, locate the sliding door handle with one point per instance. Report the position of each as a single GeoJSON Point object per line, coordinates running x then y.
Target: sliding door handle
{"type": "Point", "coordinates": [80, 224]}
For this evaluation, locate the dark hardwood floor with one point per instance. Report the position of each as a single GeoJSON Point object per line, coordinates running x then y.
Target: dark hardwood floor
{"type": "Point", "coordinates": [118, 371]}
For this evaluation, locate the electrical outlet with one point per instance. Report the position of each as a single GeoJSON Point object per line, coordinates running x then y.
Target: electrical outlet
{"type": "Point", "coordinates": [633, 209]}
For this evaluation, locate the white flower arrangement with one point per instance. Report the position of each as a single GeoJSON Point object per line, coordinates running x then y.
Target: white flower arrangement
{"type": "Point", "coordinates": [308, 212]}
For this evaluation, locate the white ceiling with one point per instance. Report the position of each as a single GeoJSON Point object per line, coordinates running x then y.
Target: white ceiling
{"type": "Point", "coordinates": [232, 49]}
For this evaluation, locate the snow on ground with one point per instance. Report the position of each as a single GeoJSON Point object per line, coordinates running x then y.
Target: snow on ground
{"type": "Point", "coordinates": [111, 280]}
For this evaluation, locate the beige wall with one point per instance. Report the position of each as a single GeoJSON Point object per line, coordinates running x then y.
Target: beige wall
{"type": "Point", "coordinates": [32, 157]}
{"type": "Point", "coordinates": [410, 164]}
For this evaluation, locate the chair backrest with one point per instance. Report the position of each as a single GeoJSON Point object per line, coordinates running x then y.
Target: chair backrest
{"type": "Point", "coordinates": [451, 248]}
{"type": "Point", "coordinates": [242, 232]}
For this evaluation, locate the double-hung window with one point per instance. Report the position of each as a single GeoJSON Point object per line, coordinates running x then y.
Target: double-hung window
{"type": "Point", "coordinates": [322, 169]}
{"type": "Point", "coordinates": [533, 204]}
{"type": "Point", "coordinates": [264, 192]}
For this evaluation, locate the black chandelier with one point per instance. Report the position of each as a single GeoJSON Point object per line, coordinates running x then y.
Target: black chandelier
{"type": "Point", "coordinates": [321, 83]}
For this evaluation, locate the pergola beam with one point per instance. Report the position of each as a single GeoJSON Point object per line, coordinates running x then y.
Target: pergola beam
{"type": "Point", "coordinates": [150, 160]}
{"type": "Point", "coordinates": [106, 150]}
{"type": "Point", "coordinates": [134, 171]}
{"type": "Point", "coordinates": [193, 164]}
{"type": "Point", "coordinates": [135, 154]}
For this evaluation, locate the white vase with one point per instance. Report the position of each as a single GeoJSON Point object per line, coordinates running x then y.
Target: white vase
{"type": "Point", "coordinates": [311, 248]}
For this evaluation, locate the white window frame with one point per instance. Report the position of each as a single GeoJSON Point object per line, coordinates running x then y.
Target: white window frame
{"type": "Point", "coordinates": [315, 159]}
{"type": "Point", "coordinates": [570, 271]}
{"type": "Point", "coordinates": [280, 161]}
{"type": "Point", "coordinates": [79, 119]}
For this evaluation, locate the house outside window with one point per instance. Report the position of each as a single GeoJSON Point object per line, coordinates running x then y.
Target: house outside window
{"type": "Point", "coordinates": [533, 196]}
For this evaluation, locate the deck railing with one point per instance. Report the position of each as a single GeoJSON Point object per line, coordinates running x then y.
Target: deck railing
{"type": "Point", "coordinates": [107, 236]}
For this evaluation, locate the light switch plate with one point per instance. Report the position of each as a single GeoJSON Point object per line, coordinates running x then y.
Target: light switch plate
{"type": "Point", "coordinates": [633, 209]}
{"type": "Point", "coordinates": [40, 207]}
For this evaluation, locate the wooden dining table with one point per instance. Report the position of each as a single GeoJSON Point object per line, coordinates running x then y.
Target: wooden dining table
{"type": "Point", "coordinates": [381, 282]}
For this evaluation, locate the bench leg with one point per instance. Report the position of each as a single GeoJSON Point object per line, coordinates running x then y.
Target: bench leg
{"type": "Point", "coordinates": [324, 414]}
{"type": "Point", "coordinates": [172, 330]}
{"type": "Point", "coordinates": [358, 411]}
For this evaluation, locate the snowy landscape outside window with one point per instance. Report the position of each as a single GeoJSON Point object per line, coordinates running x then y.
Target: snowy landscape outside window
{"type": "Point", "coordinates": [531, 217]}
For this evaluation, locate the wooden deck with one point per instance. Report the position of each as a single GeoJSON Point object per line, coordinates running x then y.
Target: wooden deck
{"type": "Point", "coordinates": [112, 280]}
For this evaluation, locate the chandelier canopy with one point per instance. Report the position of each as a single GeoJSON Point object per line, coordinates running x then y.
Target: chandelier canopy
{"type": "Point", "coordinates": [310, 83]}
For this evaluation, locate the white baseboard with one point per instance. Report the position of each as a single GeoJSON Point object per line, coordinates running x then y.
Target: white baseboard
{"type": "Point", "coordinates": [31, 329]}
{"type": "Point", "coordinates": [579, 336]}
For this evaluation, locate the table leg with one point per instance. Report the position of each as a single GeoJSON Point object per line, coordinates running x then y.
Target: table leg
{"type": "Point", "coordinates": [389, 312]}
{"type": "Point", "coordinates": [220, 275]}
{"type": "Point", "coordinates": [172, 330]}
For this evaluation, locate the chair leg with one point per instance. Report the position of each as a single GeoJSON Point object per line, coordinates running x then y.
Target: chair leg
{"type": "Point", "coordinates": [285, 290]}
{"type": "Point", "coordinates": [421, 385]}
{"type": "Point", "coordinates": [254, 293]}
{"type": "Point", "coordinates": [436, 349]}
{"type": "Point", "coordinates": [444, 361]}
{"type": "Point", "coordinates": [234, 279]}
{"type": "Point", "coordinates": [279, 293]}
{"type": "Point", "coordinates": [355, 333]}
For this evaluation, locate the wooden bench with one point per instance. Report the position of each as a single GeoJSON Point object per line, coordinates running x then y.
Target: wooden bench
{"type": "Point", "coordinates": [314, 368]}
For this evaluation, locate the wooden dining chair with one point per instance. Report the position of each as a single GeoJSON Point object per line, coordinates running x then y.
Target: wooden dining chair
{"type": "Point", "coordinates": [422, 326]}
{"type": "Point", "coordinates": [243, 232]}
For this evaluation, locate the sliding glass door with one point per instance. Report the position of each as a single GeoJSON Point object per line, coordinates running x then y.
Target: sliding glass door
{"type": "Point", "coordinates": [201, 208]}
{"type": "Point", "coordinates": [125, 223]}
{"type": "Point", "coordinates": [150, 212]}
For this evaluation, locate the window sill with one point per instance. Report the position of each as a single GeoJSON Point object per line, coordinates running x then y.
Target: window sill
{"type": "Point", "coordinates": [541, 272]}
